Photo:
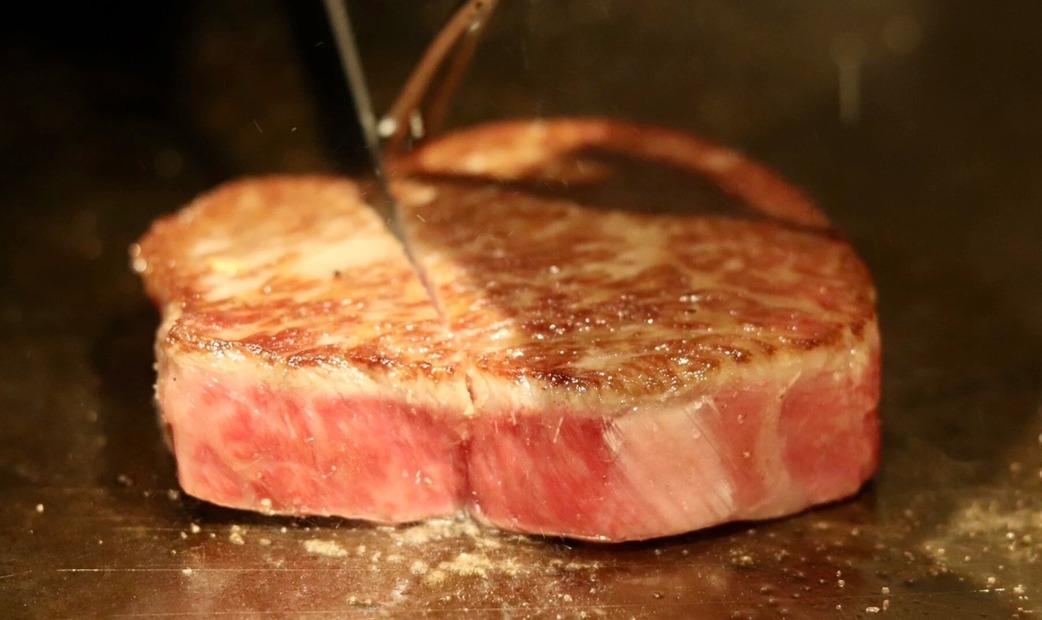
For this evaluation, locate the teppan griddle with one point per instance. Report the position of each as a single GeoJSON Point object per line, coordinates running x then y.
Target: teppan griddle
{"type": "Point", "coordinates": [935, 174]}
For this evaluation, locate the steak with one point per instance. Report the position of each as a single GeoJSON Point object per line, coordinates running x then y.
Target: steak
{"type": "Point", "coordinates": [631, 333]}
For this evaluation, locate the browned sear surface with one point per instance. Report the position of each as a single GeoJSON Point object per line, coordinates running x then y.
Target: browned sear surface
{"type": "Point", "coordinates": [298, 271]}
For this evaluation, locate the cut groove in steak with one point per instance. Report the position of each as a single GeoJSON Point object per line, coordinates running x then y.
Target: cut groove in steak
{"type": "Point", "coordinates": [643, 334]}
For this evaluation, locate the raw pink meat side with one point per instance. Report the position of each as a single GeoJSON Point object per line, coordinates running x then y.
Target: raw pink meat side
{"type": "Point", "coordinates": [750, 450]}
{"type": "Point", "coordinates": [295, 450]}
{"type": "Point", "coordinates": [828, 447]}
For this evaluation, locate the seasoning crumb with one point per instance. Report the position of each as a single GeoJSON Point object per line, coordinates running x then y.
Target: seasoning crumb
{"type": "Point", "coordinates": [991, 581]}
{"type": "Point", "coordinates": [872, 610]}
{"type": "Point", "coordinates": [884, 590]}
{"type": "Point", "coordinates": [39, 508]}
{"type": "Point", "coordinates": [468, 564]}
{"type": "Point", "coordinates": [434, 577]}
{"type": "Point", "coordinates": [195, 529]}
{"type": "Point", "coordinates": [186, 571]}
{"type": "Point", "coordinates": [419, 567]}
{"type": "Point", "coordinates": [841, 583]}
{"type": "Point", "coordinates": [574, 566]}
{"type": "Point", "coordinates": [173, 495]}
{"type": "Point", "coordinates": [283, 529]}
{"type": "Point", "coordinates": [1018, 589]}
{"type": "Point", "coordinates": [235, 536]}
{"type": "Point", "coordinates": [184, 535]}
{"type": "Point", "coordinates": [264, 542]}
{"type": "Point", "coordinates": [886, 604]}
{"type": "Point", "coordinates": [438, 529]}
{"type": "Point", "coordinates": [327, 548]}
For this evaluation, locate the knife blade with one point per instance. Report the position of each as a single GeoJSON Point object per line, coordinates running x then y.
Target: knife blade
{"type": "Point", "coordinates": [374, 185]}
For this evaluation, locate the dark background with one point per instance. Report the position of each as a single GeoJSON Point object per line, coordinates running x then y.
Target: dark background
{"type": "Point", "coordinates": [114, 113]}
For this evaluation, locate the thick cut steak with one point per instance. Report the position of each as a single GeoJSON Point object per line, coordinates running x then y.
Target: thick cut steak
{"type": "Point", "coordinates": [633, 334]}
{"type": "Point", "coordinates": [302, 367]}
{"type": "Point", "coordinates": [661, 335]}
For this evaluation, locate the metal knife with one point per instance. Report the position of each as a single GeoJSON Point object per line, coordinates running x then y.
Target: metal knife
{"type": "Point", "coordinates": [380, 195]}
{"type": "Point", "coordinates": [423, 101]}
